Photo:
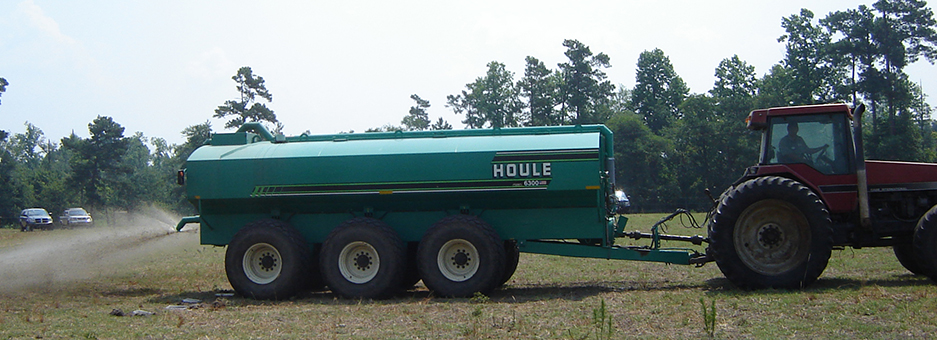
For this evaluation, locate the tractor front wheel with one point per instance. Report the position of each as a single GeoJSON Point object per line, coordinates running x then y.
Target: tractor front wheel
{"type": "Point", "coordinates": [771, 232]}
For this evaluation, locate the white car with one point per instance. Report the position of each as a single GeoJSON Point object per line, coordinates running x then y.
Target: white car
{"type": "Point", "coordinates": [75, 217]}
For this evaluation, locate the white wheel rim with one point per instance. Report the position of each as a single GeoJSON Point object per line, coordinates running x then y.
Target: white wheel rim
{"type": "Point", "coordinates": [772, 237]}
{"type": "Point", "coordinates": [457, 260]}
{"type": "Point", "coordinates": [359, 262]}
{"type": "Point", "coordinates": [262, 263]}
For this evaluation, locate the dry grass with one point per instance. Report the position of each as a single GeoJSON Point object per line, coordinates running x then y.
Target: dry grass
{"type": "Point", "coordinates": [863, 294]}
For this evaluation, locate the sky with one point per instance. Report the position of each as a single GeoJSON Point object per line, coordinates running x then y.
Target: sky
{"type": "Point", "coordinates": [157, 67]}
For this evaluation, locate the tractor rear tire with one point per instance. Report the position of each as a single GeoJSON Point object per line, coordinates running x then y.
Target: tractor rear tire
{"type": "Point", "coordinates": [925, 243]}
{"type": "Point", "coordinates": [907, 257]}
{"type": "Point", "coordinates": [363, 258]}
{"type": "Point", "coordinates": [268, 260]}
{"type": "Point", "coordinates": [771, 232]}
{"type": "Point", "coordinates": [461, 255]}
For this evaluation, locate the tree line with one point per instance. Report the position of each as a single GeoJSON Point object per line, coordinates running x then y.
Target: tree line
{"type": "Point", "coordinates": [673, 145]}
{"type": "Point", "coordinates": [670, 145]}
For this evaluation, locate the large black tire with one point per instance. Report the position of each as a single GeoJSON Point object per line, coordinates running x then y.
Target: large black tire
{"type": "Point", "coordinates": [363, 258]}
{"type": "Point", "coordinates": [412, 274]}
{"type": "Point", "coordinates": [461, 255]}
{"type": "Point", "coordinates": [771, 232]}
{"type": "Point", "coordinates": [908, 259]}
{"type": "Point", "coordinates": [925, 243]}
{"type": "Point", "coordinates": [268, 260]}
{"type": "Point", "coordinates": [314, 281]}
{"type": "Point", "coordinates": [511, 256]}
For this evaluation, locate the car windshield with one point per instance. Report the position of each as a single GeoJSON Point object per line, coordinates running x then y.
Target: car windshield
{"type": "Point", "coordinates": [36, 212]}
{"type": "Point", "coordinates": [77, 212]}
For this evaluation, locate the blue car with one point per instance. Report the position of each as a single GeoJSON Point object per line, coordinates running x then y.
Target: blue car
{"type": "Point", "coordinates": [35, 218]}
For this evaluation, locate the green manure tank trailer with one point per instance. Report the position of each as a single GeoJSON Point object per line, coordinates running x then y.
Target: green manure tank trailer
{"type": "Point", "coordinates": [369, 215]}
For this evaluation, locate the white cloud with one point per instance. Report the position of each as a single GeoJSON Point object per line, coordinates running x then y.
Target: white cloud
{"type": "Point", "coordinates": [43, 22]}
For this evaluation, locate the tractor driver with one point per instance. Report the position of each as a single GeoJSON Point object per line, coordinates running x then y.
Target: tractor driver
{"type": "Point", "coordinates": [793, 149]}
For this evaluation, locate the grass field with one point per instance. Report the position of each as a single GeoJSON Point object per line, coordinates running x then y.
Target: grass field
{"type": "Point", "coordinates": [65, 283]}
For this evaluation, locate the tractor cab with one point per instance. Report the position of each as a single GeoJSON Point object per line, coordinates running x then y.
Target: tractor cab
{"type": "Point", "coordinates": [815, 145]}
{"type": "Point", "coordinates": [819, 136]}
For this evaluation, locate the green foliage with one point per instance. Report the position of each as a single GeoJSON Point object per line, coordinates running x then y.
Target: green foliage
{"type": "Point", "coordinates": [877, 43]}
{"type": "Point", "coordinates": [584, 90]}
{"type": "Point", "coordinates": [247, 109]}
{"type": "Point", "coordinates": [811, 58]}
{"type": "Point", "coordinates": [3, 85]}
{"type": "Point", "coordinates": [97, 165]}
{"type": "Point", "coordinates": [195, 136]}
{"type": "Point", "coordinates": [418, 118]}
{"type": "Point", "coordinates": [105, 171]}
{"type": "Point", "coordinates": [658, 90]}
{"type": "Point", "coordinates": [602, 322]}
{"type": "Point", "coordinates": [540, 86]}
{"type": "Point", "coordinates": [478, 297]}
{"type": "Point", "coordinates": [33, 173]}
{"type": "Point", "coordinates": [775, 88]}
{"type": "Point", "coordinates": [893, 145]}
{"type": "Point", "coordinates": [441, 124]}
{"type": "Point", "coordinates": [643, 163]}
{"type": "Point", "coordinates": [735, 85]}
{"type": "Point", "coordinates": [601, 326]}
{"type": "Point", "coordinates": [25, 146]}
{"type": "Point", "coordinates": [385, 128]}
{"type": "Point", "coordinates": [709, 317]}
{"type": "Point", "coordinates": [490, 101]}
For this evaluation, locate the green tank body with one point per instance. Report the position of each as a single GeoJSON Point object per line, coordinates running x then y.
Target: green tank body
{"type": "Point", "coordinates": [528, 183]}
{"type": "Point", "coordinates": [369, 215]}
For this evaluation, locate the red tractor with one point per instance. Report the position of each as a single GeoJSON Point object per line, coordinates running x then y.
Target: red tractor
{"type": "Point", "coordinates": [813, 191]}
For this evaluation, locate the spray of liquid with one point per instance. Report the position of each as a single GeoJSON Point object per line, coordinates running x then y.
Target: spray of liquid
{"type": "Point", "coordinates": [47, 259]}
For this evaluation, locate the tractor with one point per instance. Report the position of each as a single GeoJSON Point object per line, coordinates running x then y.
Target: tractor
{"type": "Point", "coordinates": [811, 192]}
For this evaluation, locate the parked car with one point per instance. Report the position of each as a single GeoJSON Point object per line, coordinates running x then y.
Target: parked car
{"type": "Point", "coordinates": [75, 217]}
{"type": "Point", "coordinates": [624, 202]}
{"type": "Point", "coordinates": [35, 218]}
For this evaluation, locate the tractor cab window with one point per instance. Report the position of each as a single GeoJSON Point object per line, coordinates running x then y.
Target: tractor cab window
{"type": "Point", "coordinates": [820, 141]}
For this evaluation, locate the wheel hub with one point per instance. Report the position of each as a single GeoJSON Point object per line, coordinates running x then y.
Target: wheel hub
{"type": "Point", "coordinates": [770, 235]}
{"type": "Point", "coordinates": [267, 262]}
{"type": "Point", "coordinates": [362, 261]}
{"type": "Point", "coordinates": [460, 259]}
{"type": "Point", "coordinates": [359, 262]}
{"type": "Point", "coordinates": [262, 263]}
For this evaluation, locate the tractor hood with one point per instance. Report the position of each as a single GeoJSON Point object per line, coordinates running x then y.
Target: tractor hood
{"type": "Point", "coordinates": [886, 176]}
